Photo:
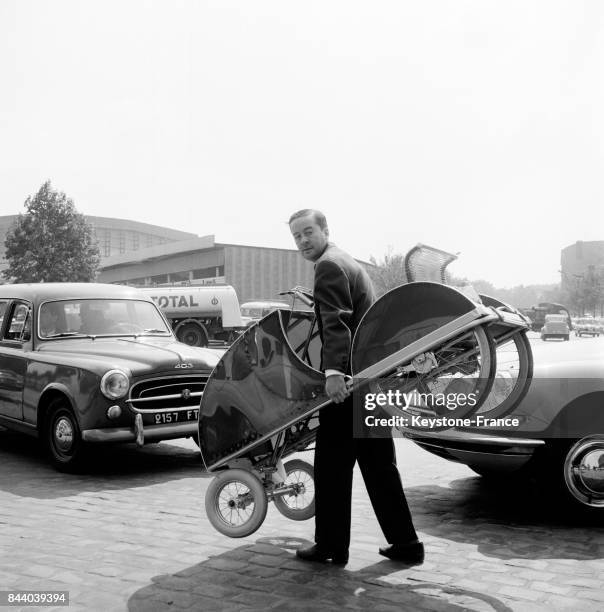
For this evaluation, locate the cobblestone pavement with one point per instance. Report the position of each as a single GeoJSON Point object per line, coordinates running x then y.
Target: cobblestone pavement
{"type": "Point", "coordinates": [131, 534]}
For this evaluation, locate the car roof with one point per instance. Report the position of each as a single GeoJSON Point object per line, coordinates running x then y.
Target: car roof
{"type": "Point", "coordinates": [40, 292]}
{"type": "Point", "coordinates": [264, 304]}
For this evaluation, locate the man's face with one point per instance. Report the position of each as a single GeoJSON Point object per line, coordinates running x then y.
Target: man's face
{"type": "Point", "coordinates": [310, 239]}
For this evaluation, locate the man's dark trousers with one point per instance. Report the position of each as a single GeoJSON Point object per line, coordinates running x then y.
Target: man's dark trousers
{"type": "Point", "coordinates": [336, 451]}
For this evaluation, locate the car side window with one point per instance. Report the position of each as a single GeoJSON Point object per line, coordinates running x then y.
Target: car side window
{"type": "Point", "coordinates": [18, 326]}
{"type": "Point", "coordinates": [3, 305]}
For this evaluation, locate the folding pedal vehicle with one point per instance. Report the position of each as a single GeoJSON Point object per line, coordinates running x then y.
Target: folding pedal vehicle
{"type": "Point", "coordinates": [260, 404]}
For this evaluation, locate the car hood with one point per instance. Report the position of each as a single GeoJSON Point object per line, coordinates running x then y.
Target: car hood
{"type": "Point", "coordinates": [139, 355]}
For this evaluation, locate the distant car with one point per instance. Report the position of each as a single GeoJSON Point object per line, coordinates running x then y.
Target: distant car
{"type": "Point", "coordinates": [587, 327]}
{"type": "Point", "coordinates": [555, 326]}
{"type": "Point", "coordinates": [85, 363]}
{"type": "Point", "coordinates": [559, 438]}
{"type": "Point", "coordinates": [254, 311]}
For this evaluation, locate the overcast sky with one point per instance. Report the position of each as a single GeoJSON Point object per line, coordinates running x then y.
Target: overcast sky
{"type": "Point", "coordinates": [470, 125]}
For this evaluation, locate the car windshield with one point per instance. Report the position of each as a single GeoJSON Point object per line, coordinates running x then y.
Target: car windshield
{"type": "Point", "coordinates": [251, 312]}
{"type": "Point", "coordinates": [99, 317]}
{"type": "Point", "coordinates": [555, 319]}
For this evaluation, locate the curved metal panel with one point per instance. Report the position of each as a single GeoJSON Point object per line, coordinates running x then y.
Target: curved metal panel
{"type": "Point", "coordinates": [402, 316]}
{"type": "Point", "coordinates": [259, 386]}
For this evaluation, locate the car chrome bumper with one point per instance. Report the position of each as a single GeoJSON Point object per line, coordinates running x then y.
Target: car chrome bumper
{"type": "Point", "coordinates": [471, 448]}
{"type": "Point", "coordinates": [152, 432]}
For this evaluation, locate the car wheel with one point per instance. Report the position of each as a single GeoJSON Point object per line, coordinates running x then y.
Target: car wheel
{"type": "Point", "coordinates": [567, 338]}
{"type": "Point", "coordinates": [583, 471]}
{"type": "Point", "coordinates": [62, 436]}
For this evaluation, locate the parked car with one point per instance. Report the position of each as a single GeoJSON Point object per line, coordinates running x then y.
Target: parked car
{"type": "Point", "coordinates": [254, 311]}
{"type": "Point", "coordinates": [555, 326]}
{"type": "Point", "coordinates": [86, 363]}
{"type": "Point", "coordinates": [558, 440]}
{"type": "Point", "coordinates": [587, 326]}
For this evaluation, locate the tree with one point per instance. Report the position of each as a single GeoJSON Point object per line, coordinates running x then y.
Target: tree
{"type": "Point", "coordinates": [51, 242]}
{"type": "Point", "coordinates": [388, 273]}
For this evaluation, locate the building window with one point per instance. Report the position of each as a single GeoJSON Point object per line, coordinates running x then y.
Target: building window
{"type": "Point", "coordinates": [149, 240]}
{"type": "Point", "coordinates": [179, 277]}
{"type": "Point", "coordinates": [159, 279]}
{"type": "Point", "coordinates": [205, 272]}
{"type": "Point", "coordinates": [135, 241]}
{"type": "Point", "coordinates": [122, 242]}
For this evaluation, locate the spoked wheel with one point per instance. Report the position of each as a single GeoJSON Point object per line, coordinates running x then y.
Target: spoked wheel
{"type": "Point", "coordinates": [299, 503]}
{"type": "Point", "coordinates": [236, 503]}
{"type": "Point", "coordinates": [62, 436]}
{"type": "Point", "coordinates": [461, 366]}
{"type": "Point", "coordinates": [512, 376]}
{"type": "Point", "coordinates": [455, 387]}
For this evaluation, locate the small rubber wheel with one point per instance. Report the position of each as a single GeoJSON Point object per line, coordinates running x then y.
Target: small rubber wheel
{"type": "Point", "coordinates": [236, 503]}
{"type": "Point", "coordinates": [298, 505]}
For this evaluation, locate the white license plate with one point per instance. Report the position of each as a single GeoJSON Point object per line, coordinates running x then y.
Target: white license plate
{"type": "Point", "coordinates": [163, 418]}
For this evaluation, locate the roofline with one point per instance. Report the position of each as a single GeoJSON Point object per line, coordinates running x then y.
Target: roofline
{"type": "Point", "coordinates": [161, 229]}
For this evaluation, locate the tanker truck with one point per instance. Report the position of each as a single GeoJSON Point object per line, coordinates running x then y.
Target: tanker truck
{"type": "Point", "coordinates": [200, 315]}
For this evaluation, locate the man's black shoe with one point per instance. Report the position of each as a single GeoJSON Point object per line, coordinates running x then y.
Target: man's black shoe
{"type": "Point", "coordinates": [314, 553]}
{"type": "Point", "coordinates": [411, 554]}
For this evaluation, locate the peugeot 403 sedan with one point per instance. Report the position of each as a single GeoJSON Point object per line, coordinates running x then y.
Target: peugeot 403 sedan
{"type": "Point", "coordinates": [87, 363]}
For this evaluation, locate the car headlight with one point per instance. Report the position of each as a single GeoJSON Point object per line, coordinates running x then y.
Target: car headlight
{"type": "Point", "coordinates": [115, 384]}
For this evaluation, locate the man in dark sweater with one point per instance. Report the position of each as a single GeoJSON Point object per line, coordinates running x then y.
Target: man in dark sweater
{"type": "Point", "coordinates": [342, 294]}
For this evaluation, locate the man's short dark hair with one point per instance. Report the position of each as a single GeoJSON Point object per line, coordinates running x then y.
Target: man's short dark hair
{"type": "Point", "coordinates": [318, 216]}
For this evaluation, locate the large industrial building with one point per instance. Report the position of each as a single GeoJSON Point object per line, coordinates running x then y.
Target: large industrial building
{"type": "Point", "coordinates": [145, 255]}
{"type": "Point", "coordinates": [114, 236]}
{"type": "Point", "coordinates": [580, 261]}
{"type": "Point", "coordinates": [254, 272]}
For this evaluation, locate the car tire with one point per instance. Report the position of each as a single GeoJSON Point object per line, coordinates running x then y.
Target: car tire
{"type": "Point", "coordinates": [582, 485]}
{"type": "Point", "coordinates": [567, 338]}
{"type": "Point", "coordinates": [62, 437]}
{"type": "Point", "coordinates": [557, 468]}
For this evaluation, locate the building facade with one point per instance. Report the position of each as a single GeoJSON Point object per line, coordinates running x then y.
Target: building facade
{"type": "Point", "coordinates": [580, 261]}
{"type": "Point", "coordinates": [145, 255]}
{"type": "Point", "coordinates": [255, 272]}
{"type": "Point", "coordinates": [114, 236]}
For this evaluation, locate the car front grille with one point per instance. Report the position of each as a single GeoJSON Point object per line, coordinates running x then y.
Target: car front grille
{"type": "Point", "coordinates": [167, 393]}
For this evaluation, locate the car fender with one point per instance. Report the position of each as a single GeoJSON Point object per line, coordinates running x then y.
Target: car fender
{"type": "Point", "coordinates": [52, 390]}
{"type": "Point", "coordinates": [582, 416]}
{"type": "Point", "coordinates": [80, 386]}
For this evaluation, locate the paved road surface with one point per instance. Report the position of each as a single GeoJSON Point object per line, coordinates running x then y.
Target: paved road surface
{"type": "Point", "coordinates": [132, 535]}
